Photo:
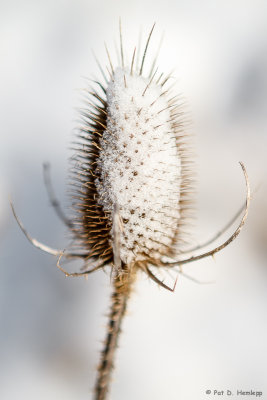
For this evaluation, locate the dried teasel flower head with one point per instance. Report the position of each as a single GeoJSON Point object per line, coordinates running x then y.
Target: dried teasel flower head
{"type": "Point", "coordinates": [133, 177]}
{"type": "Point", "coordinates": [132, 162]}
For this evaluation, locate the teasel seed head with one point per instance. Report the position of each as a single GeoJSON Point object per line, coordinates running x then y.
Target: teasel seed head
{"type": "Point", "coordinates": [132, 157]}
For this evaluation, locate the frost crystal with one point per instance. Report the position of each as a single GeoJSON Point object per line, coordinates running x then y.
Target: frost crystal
{"type": "Point", "coordinates": [139, 166]}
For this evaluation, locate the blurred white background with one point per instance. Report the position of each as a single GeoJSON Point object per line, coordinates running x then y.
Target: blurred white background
{"type": "Point", "coordinates": [174, 346]}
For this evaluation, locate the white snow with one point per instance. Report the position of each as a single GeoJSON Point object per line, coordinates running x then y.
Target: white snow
{"type": "Point", "coordinates": [139, 166]}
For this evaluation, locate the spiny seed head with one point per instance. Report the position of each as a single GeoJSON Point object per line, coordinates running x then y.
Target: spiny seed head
{"type": "Point", "coordinates": [132, 160]}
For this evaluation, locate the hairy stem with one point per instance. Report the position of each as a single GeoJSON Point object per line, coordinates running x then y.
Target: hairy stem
{"type": "Point", "coordinates": [120, 295]}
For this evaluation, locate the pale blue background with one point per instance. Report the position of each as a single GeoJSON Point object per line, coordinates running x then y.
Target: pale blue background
{"type": "Point", "coordinates": [174, 346]}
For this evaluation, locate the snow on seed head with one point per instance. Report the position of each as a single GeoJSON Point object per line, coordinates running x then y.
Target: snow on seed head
{"type": "Point", "coordinates": [139, 166]}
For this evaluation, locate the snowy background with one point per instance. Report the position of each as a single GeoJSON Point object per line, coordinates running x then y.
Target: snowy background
{"type": "Point", "coordinates": [174, 346]}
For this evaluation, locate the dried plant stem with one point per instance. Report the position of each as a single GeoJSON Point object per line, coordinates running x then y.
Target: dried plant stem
{"type": "Point", "coordinates": [120, 295]}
